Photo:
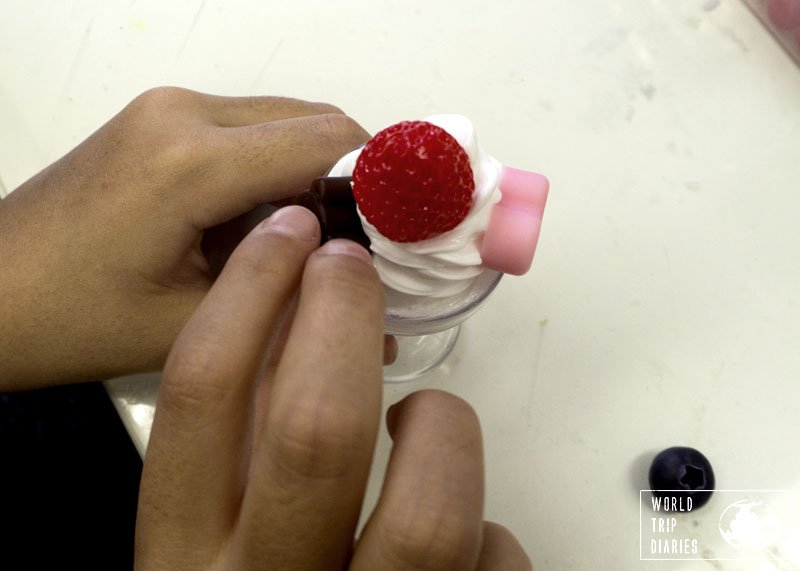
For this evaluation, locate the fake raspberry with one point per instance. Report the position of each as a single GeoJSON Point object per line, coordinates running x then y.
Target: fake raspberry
{"type": "Point", "coordinates": [413, 181]}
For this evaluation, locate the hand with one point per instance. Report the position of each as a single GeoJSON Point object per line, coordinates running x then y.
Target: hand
{"type": "Point", "coordinates": [259, 455]}
{"type": "Point", "coordinates": [101, 252]}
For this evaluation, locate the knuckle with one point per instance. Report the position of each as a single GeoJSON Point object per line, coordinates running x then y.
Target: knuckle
{"type": "Point", "coordinates": [161, 98]}
{"type": "Point", "coordinates": [169, 154]}
{"type": "Point", "coordinates": [430, 538]}
{"type": "Point", "coordinates": [340, 130]}
{"type": "Point", "coordinates": [433, 403]}
{"type": "Point", "coordinates": [193, 382]}
{"type": "Point", "coordinates": [185, 156]}
{"type": "Point", "coordinates": [327, 108]}
{"type": "Point", "coordinates": [493, 530]}
{"type": "Point", "coordinates": [311, 107]}
{"type": "Point", "coordinates": [316, 442]}
{"type": "Point", "coordinates": [449, 415]}
{"type": "Point", "coordinates": [435, 398]}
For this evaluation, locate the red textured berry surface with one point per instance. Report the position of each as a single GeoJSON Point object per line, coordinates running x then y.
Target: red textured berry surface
{"type": "Point", "coordinates": [413, 181]}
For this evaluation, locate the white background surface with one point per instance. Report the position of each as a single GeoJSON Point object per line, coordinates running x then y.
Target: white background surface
{"type": "Point", "coordinates": [663, 305]}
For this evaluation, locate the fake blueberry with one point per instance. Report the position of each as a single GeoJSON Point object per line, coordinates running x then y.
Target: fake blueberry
{"type": "Point", "coordinates": [685, 470]}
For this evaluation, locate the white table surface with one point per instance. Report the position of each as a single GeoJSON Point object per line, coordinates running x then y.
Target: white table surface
{"type": "Point", "coordinates": [663, 305]}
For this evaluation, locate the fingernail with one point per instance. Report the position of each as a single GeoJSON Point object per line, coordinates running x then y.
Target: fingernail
{"type": "Point", "coordinates": [294, 221]}
{"type": "Point", "coordinates": [341, 246]}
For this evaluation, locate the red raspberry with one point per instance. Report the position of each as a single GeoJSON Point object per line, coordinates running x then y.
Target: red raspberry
{"type": "Point", "coordinates": [412, 181]}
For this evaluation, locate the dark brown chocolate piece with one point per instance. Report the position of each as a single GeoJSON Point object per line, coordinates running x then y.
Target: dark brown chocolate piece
{"type": "Point", "coordinates": [331, 200]}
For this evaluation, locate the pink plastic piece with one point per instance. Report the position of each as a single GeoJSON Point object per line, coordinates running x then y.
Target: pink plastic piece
{"type": "Point", "coordinates": [513, 231]}
{"type": "Point", "coordinates": [785, 14]}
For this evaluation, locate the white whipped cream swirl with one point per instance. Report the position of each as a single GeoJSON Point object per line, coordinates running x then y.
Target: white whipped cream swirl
{"type": "Point", "coordinates": [446, 264]}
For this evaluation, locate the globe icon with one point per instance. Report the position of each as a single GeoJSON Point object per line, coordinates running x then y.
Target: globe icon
{"type": "Point", "coordinates": [749, 524]}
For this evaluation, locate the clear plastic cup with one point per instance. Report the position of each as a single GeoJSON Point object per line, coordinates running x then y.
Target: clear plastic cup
{"type": "Point", "coordinates": [427, 328]}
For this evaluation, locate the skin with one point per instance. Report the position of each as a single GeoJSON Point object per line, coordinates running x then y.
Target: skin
{"type": "Point", "coordinates": [118, 259]}
{"type": "Point", "coordinates": [103, 251]}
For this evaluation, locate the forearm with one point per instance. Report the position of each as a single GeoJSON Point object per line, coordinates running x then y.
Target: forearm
{"type": "Point", "coordinates": [38, 336]}
{"type": "Point", "coordinates": [55, 325]}
{"type": "Point", "coordinates": [48, 338]}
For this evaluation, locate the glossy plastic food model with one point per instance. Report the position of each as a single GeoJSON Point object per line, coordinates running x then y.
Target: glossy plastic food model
{"type": "Point", "coordinates": [782, 19]}
{"type": "Point", "coordinates": [439, 211]}
{"type": "Point", "coordinates": [681, 473]}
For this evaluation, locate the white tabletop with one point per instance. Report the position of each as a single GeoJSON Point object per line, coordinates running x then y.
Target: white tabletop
{"type": "Point", "coordinates": [662, 308]}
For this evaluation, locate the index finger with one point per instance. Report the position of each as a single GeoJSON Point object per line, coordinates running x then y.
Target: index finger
{"type": "Point", "coordinates": [225, 111]}
{"type": "Point", "coordinates": [241, 111]}
{"type": "Point", "coordinates": [312, 452]}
